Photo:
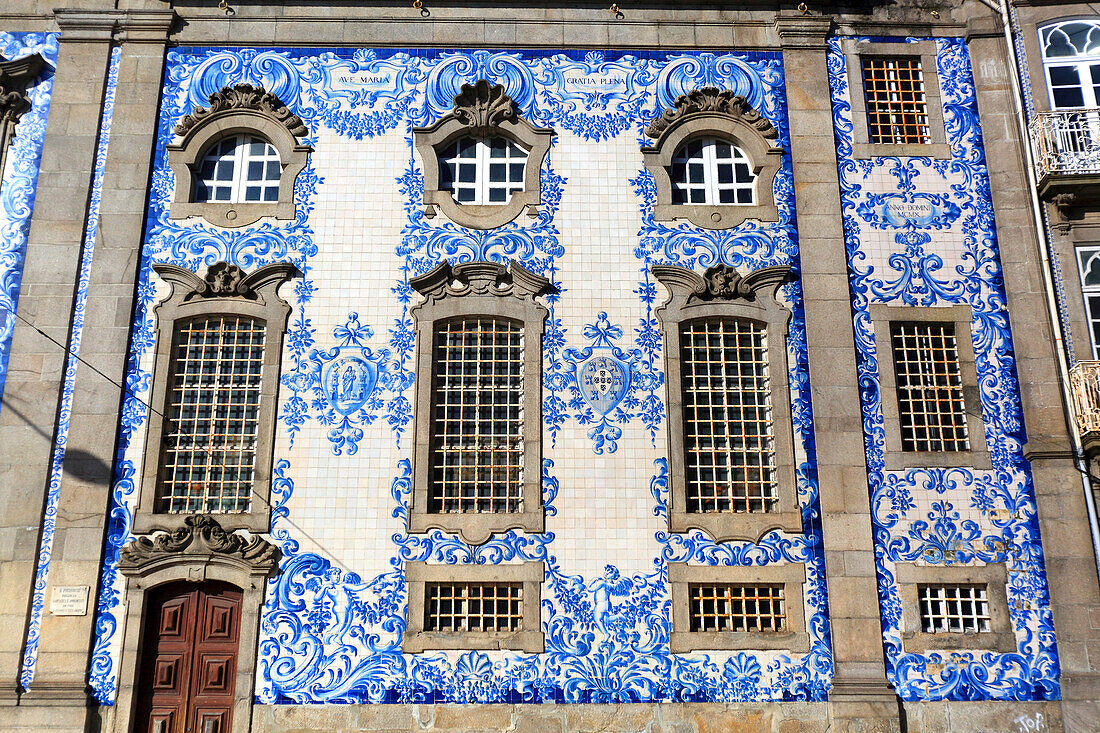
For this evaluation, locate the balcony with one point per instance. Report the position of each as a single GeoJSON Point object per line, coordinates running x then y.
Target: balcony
{"type": "Point", "coordinates": [1067, 150]}
{"type": "Point", "coordinates": [1084, 379]}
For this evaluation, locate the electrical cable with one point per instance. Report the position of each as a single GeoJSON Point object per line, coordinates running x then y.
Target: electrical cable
{"type": "Point", "coordinates": [164, 417]}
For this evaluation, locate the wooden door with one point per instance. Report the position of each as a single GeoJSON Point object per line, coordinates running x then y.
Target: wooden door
{"type": "Point", "coordinates": [189, 659]}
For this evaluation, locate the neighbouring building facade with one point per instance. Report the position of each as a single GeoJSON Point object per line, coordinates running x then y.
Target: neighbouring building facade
{"type": "Point", "coordinates": [560, 367]}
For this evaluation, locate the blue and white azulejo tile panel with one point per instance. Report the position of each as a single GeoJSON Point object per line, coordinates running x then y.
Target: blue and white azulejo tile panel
{"type": "Point", "coordinates": [333, 618]}
{"type": "Point", "coordinates": [920, 232]}
{"type": "Point", "coordinates": [18, 180]}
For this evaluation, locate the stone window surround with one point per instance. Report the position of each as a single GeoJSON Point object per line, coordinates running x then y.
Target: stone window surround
{"type": "Point", "coordinates": [862, 147]}
{"type": "Point", "coordinates": [197, 552]}
{"type": "Point", "coordinates": [253, 295]}
{"type": "Point", "coordinates": [752, 297]}
{"type": "Point", "coordinates": [792, 576]}
{"type": "Point", "coordinates": [479, 289]}
{"type": "Point", "coordinates": [978, 456]}
{"type": "Point", "coordinates": [529, 640]}
{"type": "Point", "coordinates": [482, 110]}
{"type": "Point", "coordinates": [240, 109]}
{"type": "Point", "coordinates": [993, 576]}
{"type": "Point", "coordinates": [712, 112]}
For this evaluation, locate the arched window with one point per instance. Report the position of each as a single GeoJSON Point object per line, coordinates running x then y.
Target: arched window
{"type": "Point", "coordinates": [1071, 56]}
{"type": "Point", "coordinates": [239, 168]}
{"type": "Point", "coordinates": [236, 162]}
{"type": "Point", "coordinates": [1089, 260]}
{"type": "Point", "coordinates": [713, 161]}
{"type": "Point", "coordinates": [712, 171]}
{"type": "Point", "coordinates": [482, 171]}
{"type": "Point", "coordinates": [482, 160]}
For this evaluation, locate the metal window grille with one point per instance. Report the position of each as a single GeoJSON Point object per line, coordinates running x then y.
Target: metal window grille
{"type": "Point", "coordinates": [728, 435]}
{"type": "Point", "coordinates": [483, 171]}
{"type": "Point", "coordinates": [209, 451]}
{"type": "Point", "coordinates": [452, 607]}
{"type": "Point", "coordinates": [477, 426]}
{"type": "Point", "coordinates": [931, 409]}
{"type": "Point", "coordinates": [897, 110]}
{"type": "Point", "coordinates": [953, 609]}
{"type": "Point", "coordinates": [730, 607]}
{"type": "Point", "coordinates": [712, 171]}
{"type": "Point", "coordinates": [239, 169]}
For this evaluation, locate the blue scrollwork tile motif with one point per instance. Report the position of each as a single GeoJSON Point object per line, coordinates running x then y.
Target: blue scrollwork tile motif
{"type": "Point", "coordinates": [920, 232]}
{"type": "Point", "coordinates": [330, 634]}
{"type": "Point", "coordinates": [18, 181]}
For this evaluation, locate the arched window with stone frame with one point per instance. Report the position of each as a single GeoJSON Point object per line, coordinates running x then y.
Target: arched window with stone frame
{"type": "Point", "coordinates": [237, 160]}
{"type": "Point", "coordinates": [713, 161]}
{"type": "Point", "coordinates": [482, 160]}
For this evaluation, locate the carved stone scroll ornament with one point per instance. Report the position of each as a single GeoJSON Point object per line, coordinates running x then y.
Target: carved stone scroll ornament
{"type": "Point", "coordinates": [714, 101]}
{"type": "Point", "coordinates": [483, 107]}
{"type": "Point", "coordinates": [722, 282]}
{"type": "Point", "coordinates": [200, 535]}
{"type": "Point", "coordinates": [223, 280]}
{"type": "Point", "coordinates": [15, 77]}
{"type": "Point", "coordinates": [243, 97]}
{"type": "Point", "coordinates": [480, 278]}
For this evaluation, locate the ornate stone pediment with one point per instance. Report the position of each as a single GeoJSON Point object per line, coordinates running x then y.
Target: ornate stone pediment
{"type": "Point", "coordinates": [480, 278]}
{"type": "Point", "coordinates": [223, 280]}
{"type": "Point", "coordinates": [712, 101]}
{"type": "Point", "coordinates": [722, 282]}
{"type": "Point", "coordinates": [200, 535]}
{"type": "Point", "coordinates": [243, 97]}
{"type": "Point", "coordinates": [483, 106]}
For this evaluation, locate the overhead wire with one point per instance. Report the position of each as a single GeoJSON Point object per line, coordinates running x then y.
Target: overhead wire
{"type": "Point", "coordinates": [128, 392]}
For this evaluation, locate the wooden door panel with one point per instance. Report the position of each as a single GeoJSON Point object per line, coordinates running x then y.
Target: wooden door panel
{"type": "Point", "coordinates": [188, 669]}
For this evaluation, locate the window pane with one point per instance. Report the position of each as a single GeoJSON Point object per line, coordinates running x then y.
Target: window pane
{"type": "Point", "coordinates": [929, 386]}
{"type": "Point", "coordinates": [893, 90]}
{"type": "Point", "coordinates": [212, 416]}
{"type": "Point", "coordinates": [477, 423]}
{"type": "Point", "coordinates": [728, 433]}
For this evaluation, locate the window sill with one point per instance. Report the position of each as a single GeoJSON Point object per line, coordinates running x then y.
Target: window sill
{"type": "Point", "coordinates": [680, 642]}
{"type": "Point", "coordinates": [896, 460]}
{"type": "Point", "coordinates": [865, 151]}
{"type": "Point", "coordinates": [736, 526]}
{"type": "Point", "coordinates": [531, 642]}
{"type": "Point", "coordinates": [476, 529]}
{"type": "Point", "coordinates": [253, 522]}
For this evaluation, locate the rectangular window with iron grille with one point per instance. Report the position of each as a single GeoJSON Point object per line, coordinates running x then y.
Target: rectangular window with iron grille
{"type": "Point", "coordinates": [733, 607]}
{"type": "Point", "coordinates": [458, 607]}
{"type": "Point", "coordinates": [894, 94]}
{"type": "Point", "coordinates": [208, 457]}
{"type": "Point", "coordinates": [954, 609]}
{"type": "Point", "coordinates": [477, 424]}
{"type": "Point", "coordinates": [931, 408]}
{"type": "Point", "coordinates": [729, 441]}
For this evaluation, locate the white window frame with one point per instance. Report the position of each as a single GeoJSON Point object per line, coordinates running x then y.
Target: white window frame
{"type": "Point", "coordinates": [1084, 256]}
{"type": "Point", "coordinates": [711, 185]}
{"type": "Point", "coordinates": [241, 157]}
{"type": "Point", "coordinates": [482, 159]}
{"type": "Point", "coordinates": [1081, 63]}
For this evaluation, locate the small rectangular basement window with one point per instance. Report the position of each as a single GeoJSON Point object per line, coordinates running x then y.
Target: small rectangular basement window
{"type": "Point", "coordinates": [729, 607]}
{"type": "Point", "coordinates": [954, 609]}
{"type": "Point", "coordinates": [454, 607]}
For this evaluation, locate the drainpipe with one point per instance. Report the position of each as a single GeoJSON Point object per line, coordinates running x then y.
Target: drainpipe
{"type": "Point", "coordinates": [1053, 310]}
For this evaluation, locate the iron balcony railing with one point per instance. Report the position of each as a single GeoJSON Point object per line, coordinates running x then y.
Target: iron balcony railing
{"type": "Point", "coordinates": [1084, 379]}
{"type": "Point", "coordinates": [1067, 142]}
